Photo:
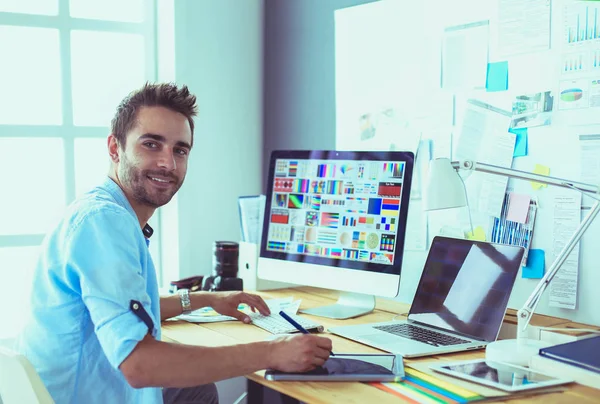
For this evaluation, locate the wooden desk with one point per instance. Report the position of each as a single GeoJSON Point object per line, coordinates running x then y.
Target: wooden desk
{"type": "Point", "coordinates": [230, 333]}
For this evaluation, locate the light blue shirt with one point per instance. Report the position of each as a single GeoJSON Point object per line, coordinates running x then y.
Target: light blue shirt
{"type": "Point", "coordinates": [91, 266]}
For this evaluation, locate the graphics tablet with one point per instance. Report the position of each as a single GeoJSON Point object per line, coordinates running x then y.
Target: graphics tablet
{"type": "Point", "coordinates": [350, 367]}
{"type": "Point", "coordinates": [502, 376]}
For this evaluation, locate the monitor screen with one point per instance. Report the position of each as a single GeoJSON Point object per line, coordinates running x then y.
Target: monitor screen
{"type": "Point", "coordinates": [338, 209]}
{"type": "Point", "coordinates": [465, 286]}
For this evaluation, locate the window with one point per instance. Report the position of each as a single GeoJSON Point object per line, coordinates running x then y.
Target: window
{"type": "Point", "coordinates": [37, 193]}
{"type": "Point", "coordinates": [30, 76]}
{"type": "Point", "coordinates": [65, 66]}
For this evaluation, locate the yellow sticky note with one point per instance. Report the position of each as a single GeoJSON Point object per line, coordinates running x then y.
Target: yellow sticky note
{"type": "Point", "coordinates": [542, 170]}
{"type": "Point", "coordinates": [477, 234]}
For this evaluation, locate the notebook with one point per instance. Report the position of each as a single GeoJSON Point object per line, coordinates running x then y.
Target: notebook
{"type": "Point", "coordinates": [584, 353]}
{"type": "Point", "coordinates": [459, 304]}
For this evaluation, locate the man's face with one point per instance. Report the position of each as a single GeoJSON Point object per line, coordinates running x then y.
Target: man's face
{"type": "Point", "coordinates": [153, 164]}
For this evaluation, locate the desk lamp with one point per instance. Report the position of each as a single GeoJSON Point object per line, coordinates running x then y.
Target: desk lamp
{"type": "Point", "coordinates": [445, 189]}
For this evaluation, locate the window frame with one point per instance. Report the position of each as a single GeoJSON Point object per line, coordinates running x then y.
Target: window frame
{"type": "Point", "coordinates": [67, 131]}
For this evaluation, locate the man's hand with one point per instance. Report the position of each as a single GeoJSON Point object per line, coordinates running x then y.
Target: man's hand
{"type": "Point", "coordinates": [227, 303]}
{"type": "Point", "coordinates": [299, 353]}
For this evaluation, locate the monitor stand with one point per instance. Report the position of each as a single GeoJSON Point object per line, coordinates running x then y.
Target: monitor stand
{"type": "Point", "coordinates": [349, 305]}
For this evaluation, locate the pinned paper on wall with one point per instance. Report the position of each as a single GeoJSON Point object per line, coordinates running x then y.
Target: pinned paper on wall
{"type": "Point", "coordinates": [532, 110]}
{"type": "Point", "coordinates": [521, 148]}
{"type": "Point", "coordinates": [536, 260]}
{"type": "Point", "coordinates": [566, 220]}
{"type": "Point", "coordinates": [518, 207]}
{"type": "Point", "coordinates": [497, 77]}
{"type": "Point", "coordinates": [484, 137]}
{"type": "Point", "coordinates": [523, 26]}
{"type": "Point", "coordinates": [450, 231]}
{"type": "Point", "coordinates": [541, 170]}
{"type": "Point", "coordinates": [477, 234]}
{"type": "Point", "coordinates": [465, 50]}
{"type": "Point", "coordinates": [416, 227]}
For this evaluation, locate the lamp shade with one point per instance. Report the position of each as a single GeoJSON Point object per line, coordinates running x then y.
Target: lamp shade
{"type": "Point", "coordinates": [444, 188]}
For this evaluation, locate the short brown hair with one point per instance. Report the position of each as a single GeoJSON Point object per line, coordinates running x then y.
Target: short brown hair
{"type": "Point", "coordinates": [166, 95]}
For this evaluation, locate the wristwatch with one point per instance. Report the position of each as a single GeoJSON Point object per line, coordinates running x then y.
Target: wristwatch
{"type": "Point", "coordinates": [186, 304]}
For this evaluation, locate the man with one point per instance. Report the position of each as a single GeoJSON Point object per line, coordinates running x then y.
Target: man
{"type": "Point", "coordinates": [94, 336]}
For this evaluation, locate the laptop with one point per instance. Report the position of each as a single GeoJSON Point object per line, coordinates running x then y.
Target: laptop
{"type": "Point", "coordinates": [459, 303]}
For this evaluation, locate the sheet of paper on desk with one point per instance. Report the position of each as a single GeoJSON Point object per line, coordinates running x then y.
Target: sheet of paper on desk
{"type": "Point", "coordinates": [199, 318]}
{"type": "Point", "coordinates": [207, 315]}
{"type": "Point", "coordinates": [287, 304]}
{"type": "Point", "coordinates": [421, 385]}
{"type": "Point", "coordinates": [462, 387]}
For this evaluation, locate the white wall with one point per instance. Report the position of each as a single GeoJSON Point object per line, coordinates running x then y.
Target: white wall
{"type": "Point", "coordinates": [218, 54]}
{"type": "Point", "coordinates": [299, 84]}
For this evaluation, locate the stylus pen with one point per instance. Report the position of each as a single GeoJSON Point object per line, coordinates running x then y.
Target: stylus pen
{"type": "Point", "coordinates": [297, 326]}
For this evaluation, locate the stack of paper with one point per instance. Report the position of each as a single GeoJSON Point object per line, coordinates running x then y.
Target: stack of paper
{"type": "Point", "coordinates": [424, 385]}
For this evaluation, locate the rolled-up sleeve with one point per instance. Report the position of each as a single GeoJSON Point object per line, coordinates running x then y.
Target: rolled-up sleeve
{"type": "Point", "coordinates": [105, 264]}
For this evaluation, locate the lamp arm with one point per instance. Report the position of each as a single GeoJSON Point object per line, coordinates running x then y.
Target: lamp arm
{"type": "Point", "coordinates": [523, 175]}
{"type": "Point", "coordinates": [525, 313]}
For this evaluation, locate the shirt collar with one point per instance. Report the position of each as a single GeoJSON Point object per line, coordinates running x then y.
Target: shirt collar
{"type": "Point", "coordinates": [115, 190]}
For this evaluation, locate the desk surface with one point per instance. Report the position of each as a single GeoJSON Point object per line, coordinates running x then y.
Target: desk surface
{"type": "Point", "coordinates": [230, 333]}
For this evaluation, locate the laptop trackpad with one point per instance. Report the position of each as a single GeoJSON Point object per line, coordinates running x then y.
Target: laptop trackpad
{"type": "Point", "coordinates": [380, 338]}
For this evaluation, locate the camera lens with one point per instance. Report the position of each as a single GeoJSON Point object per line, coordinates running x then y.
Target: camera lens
{"type": "Point", "coordinates": [225, 258]}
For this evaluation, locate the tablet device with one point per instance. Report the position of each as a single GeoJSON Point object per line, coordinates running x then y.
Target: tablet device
{"type": "Point", "coordinates": [350, 367]}
{"type": "Point", "coordinates": [502, 376]}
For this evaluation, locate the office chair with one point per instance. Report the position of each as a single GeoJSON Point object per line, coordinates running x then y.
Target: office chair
{"type": "Point", "coordinates": [19, 382]}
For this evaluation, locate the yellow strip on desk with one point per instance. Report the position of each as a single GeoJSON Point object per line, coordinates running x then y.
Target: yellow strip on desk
{"type": "Point", "coordinates": [440, 383]}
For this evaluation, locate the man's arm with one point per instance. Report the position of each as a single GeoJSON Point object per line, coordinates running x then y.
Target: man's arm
{"type": "Point", "coordinates": [161, 364]}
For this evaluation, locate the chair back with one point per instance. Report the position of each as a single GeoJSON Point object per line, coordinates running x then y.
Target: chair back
{"type": "Point", "coordinates": [19, 382]}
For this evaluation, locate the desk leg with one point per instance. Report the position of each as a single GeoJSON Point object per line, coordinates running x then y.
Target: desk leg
{"type": "Point", "coordinates": [255, 393]}
{"type": "Point", "coordinates": [288, 400]}
{"type": "Point", "coordinates": [259, 394]}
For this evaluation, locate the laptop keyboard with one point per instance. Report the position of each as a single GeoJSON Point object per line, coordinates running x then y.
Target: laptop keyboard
{"type": "Point", "coordinates": [421, 334]}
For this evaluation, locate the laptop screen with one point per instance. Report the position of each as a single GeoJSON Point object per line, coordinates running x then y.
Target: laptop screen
{"type": "Point", "coordinates": [465, 286]}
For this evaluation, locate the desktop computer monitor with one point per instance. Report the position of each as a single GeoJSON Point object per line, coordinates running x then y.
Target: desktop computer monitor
{"type": "Point", "coordinates": [336, 220]}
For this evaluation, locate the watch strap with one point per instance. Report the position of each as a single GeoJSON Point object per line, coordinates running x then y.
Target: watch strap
{"type": "Point", "coordinates": [186, 303]}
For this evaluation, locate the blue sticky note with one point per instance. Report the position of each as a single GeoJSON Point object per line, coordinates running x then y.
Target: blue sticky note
{"type": "Point", "coordinates": [497, 76]}
{"type": "Point", "coordinates": [535, 264]}
{"type": "Point", "coordinates": [521, 142]}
